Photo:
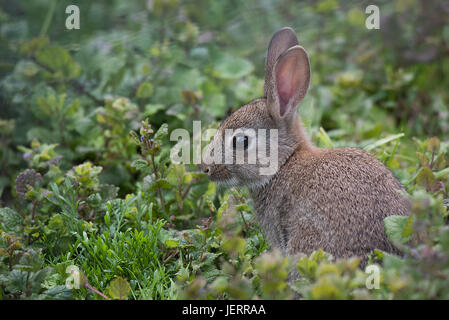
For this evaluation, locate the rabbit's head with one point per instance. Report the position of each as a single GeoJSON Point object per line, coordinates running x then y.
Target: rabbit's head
{"type": "Point", "coordinates": [253, 142]}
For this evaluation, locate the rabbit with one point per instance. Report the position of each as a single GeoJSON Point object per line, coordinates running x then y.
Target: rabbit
{"type": "Point", "coordinates": [333, 199]}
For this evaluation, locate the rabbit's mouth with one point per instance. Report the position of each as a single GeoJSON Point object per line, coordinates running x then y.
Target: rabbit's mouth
{"type": "Point", "coordinates": [220, 174]}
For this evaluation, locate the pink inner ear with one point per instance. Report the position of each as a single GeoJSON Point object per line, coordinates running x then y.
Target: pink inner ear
{"type": "Point", "coordinates": [288, 81]}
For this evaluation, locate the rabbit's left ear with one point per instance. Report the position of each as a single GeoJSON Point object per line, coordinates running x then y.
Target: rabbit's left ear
{"type": "Point", "coordinates": [290, 82]}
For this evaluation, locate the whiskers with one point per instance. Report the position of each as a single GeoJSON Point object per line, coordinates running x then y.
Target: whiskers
{"type": "Point", "coordinates": [228, 182]}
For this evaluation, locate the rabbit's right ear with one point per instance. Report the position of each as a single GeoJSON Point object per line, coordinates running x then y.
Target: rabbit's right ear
{"type": "Point", "coordinates": [282, 40]}
{"type": "Point", "coordinates": [289, 83]}
{"type": "Point", "coordinates": [287, 75]}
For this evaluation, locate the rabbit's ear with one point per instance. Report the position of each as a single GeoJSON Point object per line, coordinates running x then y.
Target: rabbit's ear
{"type": "Point", "coordinates": [290, 81]}
{"type": "Point", "coordinates": [282, 40]}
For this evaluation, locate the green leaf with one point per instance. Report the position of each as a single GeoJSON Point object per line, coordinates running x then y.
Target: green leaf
{"type": "Point", "coordinates": [423, 160]}
{"type": "Point", "coordinates": [234, 245]}
{"type": "Point", "coordinates": [151, 109]}
{"type": "Point", "coordinates": [145, 90]}
{"type": "Point", "coordinates": [171, 243]}
{"type": "Point", "coordinates": [326, 289]}
{"type": "Point", "coordinates": [425, 177]}
{"type": "Point", "coordinates": [391, 261]}
{"type": "Point", "coordinates": [140, 164]}
{"type": "Point", "coordinates": [433, 145]}
{"type": "Point", "coordinates": [217, 104]}
{"type": "Point", "coordinates": [306, 267]}
{"type": "Point", "coordinates": [230, 67]}
{"type": "Point", "coordinates": [162, 132]}
{"type": "Point", "coordinates": [440, 162]}
{"type": "Point", "coordinates": [398, 228]}
{"type": "Point", "coordinates": [16, 281]}
{"type": "Point", "coordinates": [383, 141]}
{"type": "Point", "coordinates": [408, 228]}
{"type": "Point", "coordinates": [94, 200]}
{"type": "Point", "coordinates": [119, 288]}
{"type": "Point", "coordinates": [162, 183]}
{"type": "Point", "coordinates": [108, 192]}
{"type": "Point", "coordinates": [56, 222]}
{"type": "Point", "coordinates": [187, 178]}
{"type": "Point", "coordinates": [107, 219]}
{"type": "Point", "coordinates": [440, 174]}
{"type": "Point", "coordinates": [325, 139]}
{"type": "Point", "coordinates": [60, 292]}
{"type": "Point", "coordinates": [175, 173]}
{"type": "Point", "coordinates": [58, 60]}
{"type": "Point", "coordinates": [243, 207]}
{"type": "Point", "coordinates": [10, 220]}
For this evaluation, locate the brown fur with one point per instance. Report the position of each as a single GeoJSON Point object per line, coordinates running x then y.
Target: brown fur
{"type": "Point", "coordinates": [330, 199]}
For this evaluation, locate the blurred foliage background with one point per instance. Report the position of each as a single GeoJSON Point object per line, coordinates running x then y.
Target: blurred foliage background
{"type": "Point", "coordinates": [78, 189]}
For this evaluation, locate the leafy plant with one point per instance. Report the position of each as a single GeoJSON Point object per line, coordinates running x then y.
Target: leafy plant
{"type": "Point", "coordinates": [87, 186]}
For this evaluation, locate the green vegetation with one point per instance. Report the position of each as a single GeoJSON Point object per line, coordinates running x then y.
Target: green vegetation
{"type": "Point", "coordinates": [86, 178]}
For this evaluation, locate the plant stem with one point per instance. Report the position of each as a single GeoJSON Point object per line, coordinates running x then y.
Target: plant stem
{"type": "Point", "coordinates": [48, 19]}
{"type": "Point", "coordinates": [170, 256]}
{"type": "Point", "coordinates": [179, 202]}
{"type": "Point", "coordinates": [244, 221]}
{"type": "Point", "coordinates": [433, 159]}
{"type": "Point", "coordinates": [159, 191]}
{"type": "Point", "coordinates": [88, 286]}
{"type": "Point", "coordinates": [186, 191]}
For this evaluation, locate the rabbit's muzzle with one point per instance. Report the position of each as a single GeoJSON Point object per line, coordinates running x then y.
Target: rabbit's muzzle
{"type": "Point", "coordinates": [217, 173]}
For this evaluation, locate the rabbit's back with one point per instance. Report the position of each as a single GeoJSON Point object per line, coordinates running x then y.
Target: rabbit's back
{"type": "Point", "coordinates": [334, 199]}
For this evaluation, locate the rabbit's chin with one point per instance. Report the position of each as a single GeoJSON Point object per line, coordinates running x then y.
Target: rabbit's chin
{"type": "Point", "coordinates": [227, 182]}
{"type": "Point", "coordinates": [234, 182]}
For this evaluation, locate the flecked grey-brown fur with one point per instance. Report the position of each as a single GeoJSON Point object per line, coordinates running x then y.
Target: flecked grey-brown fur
{"type": "Point", "coordinates": [330, 199]}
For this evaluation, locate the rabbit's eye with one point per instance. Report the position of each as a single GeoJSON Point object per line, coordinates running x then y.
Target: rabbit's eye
{"type": "Point", "coordinates": [240, 140]}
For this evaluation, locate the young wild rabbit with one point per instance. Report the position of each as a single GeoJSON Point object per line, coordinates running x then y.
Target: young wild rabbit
{"type": "Point", "coordinates": [333, 199]}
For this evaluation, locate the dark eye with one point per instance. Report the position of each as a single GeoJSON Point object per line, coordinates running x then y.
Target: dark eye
{"type": "Point", "coordinates": [240, 140]}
